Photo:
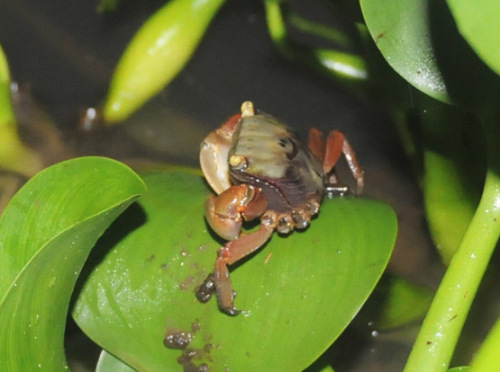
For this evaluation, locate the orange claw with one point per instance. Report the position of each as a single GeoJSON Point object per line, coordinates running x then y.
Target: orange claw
{"type": "Point", "coordinates": [214, 152]}
{"type": "Point", "coordinates": [224, 213]}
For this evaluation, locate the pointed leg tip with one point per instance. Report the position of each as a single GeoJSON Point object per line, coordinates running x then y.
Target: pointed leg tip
{"type": "Point", "coordinates": [206, 290]}
{"type": "Point", "coordinates": [232, 311]}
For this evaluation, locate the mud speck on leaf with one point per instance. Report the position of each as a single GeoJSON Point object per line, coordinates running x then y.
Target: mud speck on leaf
{"type": "Point", "coordinates": [180, 340]}
{"type": "Point", "coordinates": [176, 339]}
{"type": "Point", "coordinates": [190, 355]}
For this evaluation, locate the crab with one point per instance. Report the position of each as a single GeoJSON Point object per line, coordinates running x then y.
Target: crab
{"type": "Point", "coordinates": [259, 169]}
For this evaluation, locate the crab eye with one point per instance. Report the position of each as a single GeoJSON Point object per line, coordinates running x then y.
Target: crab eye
{"type": "Point", "coordinates": [238, 162]}
{"type": "Point", "coordinates": [288, 146]}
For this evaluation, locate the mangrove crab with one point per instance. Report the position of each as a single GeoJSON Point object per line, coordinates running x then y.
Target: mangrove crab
{"type": "Point", "coordinates": [258, 168]}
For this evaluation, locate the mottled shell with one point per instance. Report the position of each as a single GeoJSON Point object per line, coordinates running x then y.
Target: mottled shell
{"type": "Point", "coordinates": [273, 159]}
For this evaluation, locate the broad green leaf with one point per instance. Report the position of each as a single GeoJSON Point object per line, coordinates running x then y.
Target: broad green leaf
{"type": "Point", "coordinates": [297, 294]}
{"type": "Point", "coordinates": [401, 30]}
{"type": "Point", "coordinates": [420, 41]}
{"type": "Point", "coordinates": [46, 234]}
{"type": "Point", "coordinates": [477, 21]}
{"type": "Point", "coordinates": [156, 54]}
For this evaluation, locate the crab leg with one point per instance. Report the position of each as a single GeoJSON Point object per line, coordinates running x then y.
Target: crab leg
{"type": "Point", "coordinates": [232, 252]}
{"type": "Point", "coordinates": [336, 145]}
{"type": "Point", "coordinates": [316, 143]}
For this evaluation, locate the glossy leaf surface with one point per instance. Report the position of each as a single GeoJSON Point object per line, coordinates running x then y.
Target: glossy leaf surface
{"type": "Point", "coordinates": [420, 41]}
{"type": "Point", "coordinates": [297, 294]}
{"type": "Point", "coordinates": [46, 234]}
{"type": "Point", "coordinates": [401, 31]}
{"type": "Point", "coordinates": [477, 21]}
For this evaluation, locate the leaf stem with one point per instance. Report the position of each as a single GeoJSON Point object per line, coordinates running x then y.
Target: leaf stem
{"type": "Point", "coordinates": [441, 329]}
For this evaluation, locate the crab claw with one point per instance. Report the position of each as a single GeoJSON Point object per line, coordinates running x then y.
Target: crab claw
{"type": "Point", "coordinates": [214, 153]}
{"type": "Point", "coordinates": [226, 212]}
{"type": "Point", "coordinates": [224, 220]}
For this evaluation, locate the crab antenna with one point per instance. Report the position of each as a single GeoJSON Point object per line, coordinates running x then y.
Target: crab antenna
{"type": "Point", "coordinates": [247, 109]}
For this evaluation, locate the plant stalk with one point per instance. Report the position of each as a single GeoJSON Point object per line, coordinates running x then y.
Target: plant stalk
{"type": "Point", "coordinates": [443, 324]}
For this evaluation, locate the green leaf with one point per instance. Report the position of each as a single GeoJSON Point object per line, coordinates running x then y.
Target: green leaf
{"type": "Point", "coordinates": [420, 41]}
{"type": "Point", "coordinates": [477, 21]}
{"type": "Point", "coordinates": [401, 30]}
{"type": "Point", "coordinates": [297, 294]}
{"type": "Point", "coordinates": [46, 234]}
